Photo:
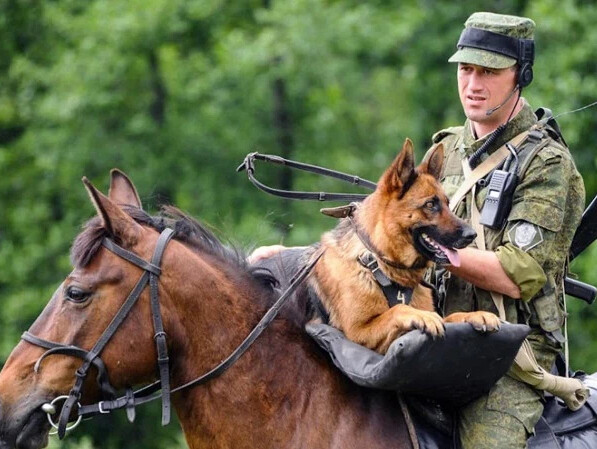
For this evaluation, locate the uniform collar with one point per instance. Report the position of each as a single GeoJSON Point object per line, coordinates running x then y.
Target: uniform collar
{"type": "Point", "coordinates": [521, 122]}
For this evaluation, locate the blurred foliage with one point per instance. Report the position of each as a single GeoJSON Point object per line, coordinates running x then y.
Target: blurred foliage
{"type": "Point", "coordinates": [176, 92]}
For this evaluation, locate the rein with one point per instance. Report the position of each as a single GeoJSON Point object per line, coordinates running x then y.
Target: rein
{"type": "Point", "coordinates": [151, 391]}
{"type": "Point", "coordinates": [249, 165]}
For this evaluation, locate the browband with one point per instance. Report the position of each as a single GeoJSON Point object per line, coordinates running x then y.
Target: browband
{"type": "Point", "coordinates": [523, 50]}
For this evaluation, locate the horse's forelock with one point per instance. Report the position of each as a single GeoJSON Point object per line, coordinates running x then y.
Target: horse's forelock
{"type": "Point", "coordinates": [87, 243]}
{"type": "Point", "coordinates": [187, 230]}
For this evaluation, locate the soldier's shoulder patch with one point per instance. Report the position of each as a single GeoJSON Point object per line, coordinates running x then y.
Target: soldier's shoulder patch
{"type": "Point", "coordinates": [525, 235]}
{"type": "Point", "coordinates": [441, 135]}
{"type": "Point", "coordinates": [550, 152]}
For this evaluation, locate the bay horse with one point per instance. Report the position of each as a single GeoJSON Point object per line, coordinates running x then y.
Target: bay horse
{"type": "Point", "coordinates": [282, 393]}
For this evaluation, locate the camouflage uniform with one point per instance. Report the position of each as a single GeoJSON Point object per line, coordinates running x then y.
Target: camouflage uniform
{"type": "Point", "coordinates": [532, 248]}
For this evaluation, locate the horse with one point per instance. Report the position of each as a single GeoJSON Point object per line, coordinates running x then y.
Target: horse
{"type": "Point", "coordinates": [282, 393]}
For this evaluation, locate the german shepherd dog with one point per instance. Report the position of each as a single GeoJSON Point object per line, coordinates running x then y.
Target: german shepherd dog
{"type": "Point", "coordinates": [406, 225]}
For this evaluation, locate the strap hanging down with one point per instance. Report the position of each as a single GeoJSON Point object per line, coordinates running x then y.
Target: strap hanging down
{"type": "Point", "coordinates": [525, 367]}
{"type": "Point", "coordinates": [158, 327]}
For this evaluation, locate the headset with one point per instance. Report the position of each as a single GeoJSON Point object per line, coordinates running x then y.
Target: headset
{"type": "Point", "coordinates": [523, 50]}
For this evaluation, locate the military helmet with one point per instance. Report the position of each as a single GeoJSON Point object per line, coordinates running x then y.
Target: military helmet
{"type": "Point", "coordinates": [497, 41]}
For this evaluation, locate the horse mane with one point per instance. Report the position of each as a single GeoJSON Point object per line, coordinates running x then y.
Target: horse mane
{"type": "Point", "coordinates": [186, 229]}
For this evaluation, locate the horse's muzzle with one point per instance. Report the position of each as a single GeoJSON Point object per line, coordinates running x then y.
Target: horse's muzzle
{"type": "Point", "coordinates": [25, 428]}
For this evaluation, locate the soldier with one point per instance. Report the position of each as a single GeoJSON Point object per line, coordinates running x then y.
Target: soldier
{"type": "Point", "coordinates": [519, 267]}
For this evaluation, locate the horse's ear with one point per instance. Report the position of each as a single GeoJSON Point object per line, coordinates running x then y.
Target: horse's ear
{"type": "Point", "coordinates": [433, 164]}
{"type": "Point", "coordinates": [401, 174]}
{"type": "Point", "coordinates": [122, 190]}
{"type": "Point", "coordinates": [114, 219]}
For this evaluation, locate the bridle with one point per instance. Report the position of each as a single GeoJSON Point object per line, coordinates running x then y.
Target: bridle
{"type": "Point", "coordinates": [150, 392]}
{"type": "Point", "coordinates": [92, 357]}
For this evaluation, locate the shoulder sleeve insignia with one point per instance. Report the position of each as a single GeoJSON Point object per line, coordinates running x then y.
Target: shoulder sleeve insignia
{"type": "Point", "coordinates": [525, 235]}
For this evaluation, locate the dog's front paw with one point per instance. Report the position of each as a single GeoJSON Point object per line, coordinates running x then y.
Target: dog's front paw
{"type": "Point", "coordinates": [481, 321]}
{"type": "Point", "coordinates": [429, 322]}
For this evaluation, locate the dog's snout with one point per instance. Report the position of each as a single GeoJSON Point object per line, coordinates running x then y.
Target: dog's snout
{"type": "Point", "coordinates": [468, 234]}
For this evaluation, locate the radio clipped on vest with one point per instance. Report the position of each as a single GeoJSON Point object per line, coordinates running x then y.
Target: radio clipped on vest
{"type": "Point", "coordinates": [500, 191]}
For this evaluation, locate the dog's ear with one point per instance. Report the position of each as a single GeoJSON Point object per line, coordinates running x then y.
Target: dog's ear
{"type": "Point", "coordinates": [401, 174]}
{"type": "Point", "coordinates": [434, 163]}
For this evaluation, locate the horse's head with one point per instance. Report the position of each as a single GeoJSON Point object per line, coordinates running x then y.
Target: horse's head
{"type": "Point", "coordinates": [77, 315]}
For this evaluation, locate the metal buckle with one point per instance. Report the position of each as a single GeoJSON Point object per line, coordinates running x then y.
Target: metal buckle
{"type": "Point", "coordinates": [159, 334]}
{"type": "Point", "coordinates": [100, 406]}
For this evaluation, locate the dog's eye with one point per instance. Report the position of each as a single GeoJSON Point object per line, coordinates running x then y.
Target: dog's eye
{"type": "Point", "coordinates": [433, 205]}
{"type": "Point", "coordinates": [76, 294]}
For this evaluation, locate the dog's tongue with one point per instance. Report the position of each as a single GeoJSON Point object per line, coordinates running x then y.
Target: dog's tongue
{"type": "Point", "coordinates": [453, 255]}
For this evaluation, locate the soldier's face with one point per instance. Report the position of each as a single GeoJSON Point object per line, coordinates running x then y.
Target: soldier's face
{"type": "Point", "coordinates": [481, 89]}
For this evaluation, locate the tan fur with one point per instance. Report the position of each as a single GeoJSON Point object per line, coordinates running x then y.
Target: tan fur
{"type": "Point", "coordinates": [349, 292]}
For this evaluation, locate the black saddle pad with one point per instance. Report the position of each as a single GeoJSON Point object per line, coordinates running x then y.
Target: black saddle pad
{"type": "Point", "coordinates": [455, 369]}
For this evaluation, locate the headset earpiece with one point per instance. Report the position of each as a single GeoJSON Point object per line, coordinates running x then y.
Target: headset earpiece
{"type": "Point", "coordinates": [526, 57]}
{"type": "Point", "coordinates": [525, 74]}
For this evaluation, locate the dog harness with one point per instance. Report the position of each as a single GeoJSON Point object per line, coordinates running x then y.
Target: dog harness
{"type": "Point", "coordinates": [394, 292]}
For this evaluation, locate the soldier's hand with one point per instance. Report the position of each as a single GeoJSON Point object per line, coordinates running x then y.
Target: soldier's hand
{"type": "Point", "coordinates": [264, 252]}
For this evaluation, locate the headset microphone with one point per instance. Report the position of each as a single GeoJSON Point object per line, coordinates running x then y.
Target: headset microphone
{"type": "Point", "coordinates": [492, 110]}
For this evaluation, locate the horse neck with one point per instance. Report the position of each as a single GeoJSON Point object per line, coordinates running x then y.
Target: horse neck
{"type": "Point", "coordinates": [278, 391]}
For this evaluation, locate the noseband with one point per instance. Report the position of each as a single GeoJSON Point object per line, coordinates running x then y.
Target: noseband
{"type": "Point", "coordinates": [151, 391]}
{"type": "Point", "coordinates": [92, 357]}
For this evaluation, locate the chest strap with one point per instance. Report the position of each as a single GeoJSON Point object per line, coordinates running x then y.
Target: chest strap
{"type": "Point", "coordinates": [485, 167]}
{"type": "Point", "coordinates": [525, 367]}
{"type": "Point", "coordinates": [393, 291]}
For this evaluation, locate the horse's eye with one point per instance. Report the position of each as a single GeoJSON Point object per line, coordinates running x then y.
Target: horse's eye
{"type": "Point", "coordinates": [76, 294]}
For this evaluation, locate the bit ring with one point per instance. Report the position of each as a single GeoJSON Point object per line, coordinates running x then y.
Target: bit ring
{"type": "Point", "coordinates": [47, 409]}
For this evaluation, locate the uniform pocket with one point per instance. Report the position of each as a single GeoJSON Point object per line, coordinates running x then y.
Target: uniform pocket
{"type": "Point", "coordinates": [547, 308]}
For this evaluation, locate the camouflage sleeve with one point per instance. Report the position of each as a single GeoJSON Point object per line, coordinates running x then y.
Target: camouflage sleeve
{"type": "Point", "coordinates": [536, 240]}
{"type": "Point", "coordinates": [540, 197]}
{"type": "Point", "coordinates": [522, 269]}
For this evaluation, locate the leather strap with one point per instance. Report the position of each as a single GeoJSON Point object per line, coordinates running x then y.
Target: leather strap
{"type": "Point", "coordinates": [148, 393]}
{"type": "Point", "coordinates": [497, 298]}
{"type": "Point", "coordinates": [91, 357]}
{"type": "Point", "coordinates": [158, 327]}
{"type": "Point", "coordinates": [394, 292]}
{"type": "Point", "coordinates": [485, 167]}
{"type": "Point", "coordinates": [249, 165]}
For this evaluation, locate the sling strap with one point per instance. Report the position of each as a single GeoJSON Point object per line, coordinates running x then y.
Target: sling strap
{"type": "Point", "coordinates": [525, 367]}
